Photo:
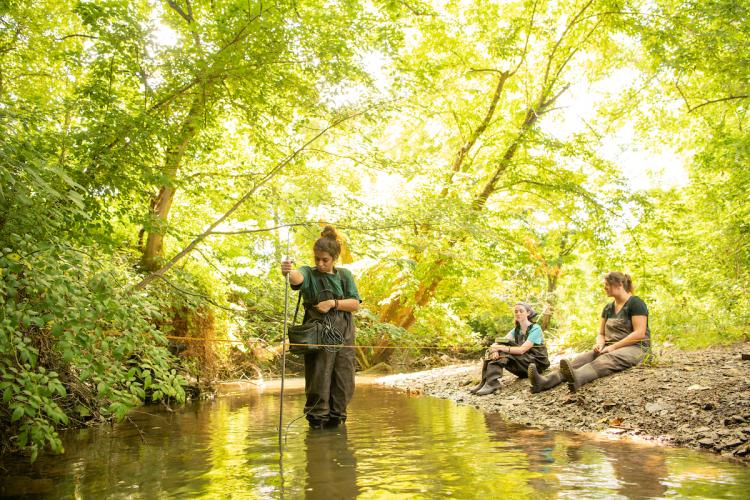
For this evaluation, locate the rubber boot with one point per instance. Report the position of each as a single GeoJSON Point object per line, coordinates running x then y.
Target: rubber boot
{"type": "Point", "coordinates": [315, 423]}
{"type": "Point", "coordinates": [541, 383]}
{"type": "Point", "coordinates": [576, 377]}
{"type": "Point", "coordinates": [332, 422]}
{"type": "Point", "coordinates": [474, 389]}
{"type": "Point", "coordinates": [494, 374]}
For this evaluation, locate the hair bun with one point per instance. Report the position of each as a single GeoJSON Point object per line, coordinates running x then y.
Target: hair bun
{"type": "Point", "coordinates": [330, 233]}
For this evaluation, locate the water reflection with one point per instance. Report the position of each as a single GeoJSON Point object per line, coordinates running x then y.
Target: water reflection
{"type": "Point", "coordinates": [331, 467]}
{"type": "Point", "coordinates": [393, 445]}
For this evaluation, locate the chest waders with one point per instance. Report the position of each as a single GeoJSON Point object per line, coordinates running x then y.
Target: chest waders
{"type": "Point", "coordinates": [517, 364]}
{"type": "Point", "coordinates": [329, 372]}
{"type": "Point", "coordinates": [591, 365]}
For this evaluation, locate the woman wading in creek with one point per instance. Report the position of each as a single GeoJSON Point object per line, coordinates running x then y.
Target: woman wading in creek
{"type": "Point", "coordinates": [328, 293]}
{"type": "Point", "coordinates": [522, 348]}
{"type": "Point", "coordinates": [623, 340]}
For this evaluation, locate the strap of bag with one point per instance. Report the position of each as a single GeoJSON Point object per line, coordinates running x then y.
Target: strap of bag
{"type": "Point", "coordinates": [344, 285]}
{"type": "Point", "coordinates": [299, 299]}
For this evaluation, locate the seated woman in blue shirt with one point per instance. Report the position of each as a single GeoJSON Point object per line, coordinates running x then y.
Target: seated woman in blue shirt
{"type": "Point", "coordinates": [523, 346]}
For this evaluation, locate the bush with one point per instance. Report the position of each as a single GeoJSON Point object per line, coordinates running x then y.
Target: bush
{"type": "Point", "coordinates": [75, 344]}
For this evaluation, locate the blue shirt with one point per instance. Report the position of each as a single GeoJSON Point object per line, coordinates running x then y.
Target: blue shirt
{"type": "Point", "coordinates": [534, 334]}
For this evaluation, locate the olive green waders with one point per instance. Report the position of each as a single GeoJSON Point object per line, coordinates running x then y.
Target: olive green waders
{"type": "Point", "coordinates": [591, 365]}
{"type": "Point", "coordinates": [517, 364]}
{"type": "Point", "coordinates": [329, 375]}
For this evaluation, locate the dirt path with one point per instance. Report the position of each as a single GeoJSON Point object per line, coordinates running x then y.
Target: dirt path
{"type": "Point", "coordinates": [698, 399]}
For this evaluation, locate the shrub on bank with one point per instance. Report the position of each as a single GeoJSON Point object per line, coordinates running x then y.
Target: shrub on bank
{"type": "Point", "coordinates": [75, 344]}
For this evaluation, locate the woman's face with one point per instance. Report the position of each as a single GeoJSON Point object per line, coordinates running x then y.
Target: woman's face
{"type": "Point", "coordinates": [520, 313]}
{"type": "Point", "coordinates": [323, 261]}
{"type": "Point", "coordinates": [612, 289]}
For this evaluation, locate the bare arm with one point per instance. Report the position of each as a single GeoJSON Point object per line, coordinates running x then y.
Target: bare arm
{"type": "Point", "coordinates": [497, 349]}
{"type": "Point", "coordinates": [346, 305]}
{"type": "Point", "coordinates": [599, 344]}
{"type": "Point", "coordinates": [295, 277]}
{"type": "Point", "coordinates": [519, 349]}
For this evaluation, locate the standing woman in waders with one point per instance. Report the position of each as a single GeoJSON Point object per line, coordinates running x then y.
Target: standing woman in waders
{"type": "Point", "coordinates": [521, 348]}
{"type": "Point", "coordinates": [624, 340]}
{"type": "Point", "coordinates": [328, 292]}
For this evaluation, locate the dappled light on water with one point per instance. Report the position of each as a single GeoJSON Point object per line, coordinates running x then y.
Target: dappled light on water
{"type": "Point", "coordinates": [393, 445]}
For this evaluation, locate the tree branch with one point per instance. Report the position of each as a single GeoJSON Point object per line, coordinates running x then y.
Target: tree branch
{"type": "Point", "coordinates": [269, 175]}
{"type": "Point", "coordinates": [714, 101]}
{"type": "Point", "coordinates": [187, 16]}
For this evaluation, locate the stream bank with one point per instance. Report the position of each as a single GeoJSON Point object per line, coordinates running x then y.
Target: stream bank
{"type": "Point", "coordinates": [697, 399]}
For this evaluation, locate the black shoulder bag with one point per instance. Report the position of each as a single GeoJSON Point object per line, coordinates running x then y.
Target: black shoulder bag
{"type": "Point", "coordinates": [304, 338]}
{"type": "Point", "coordinates": [309, 336]}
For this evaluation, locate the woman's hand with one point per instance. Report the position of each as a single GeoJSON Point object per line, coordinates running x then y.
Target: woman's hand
{"type": "Point", "coordinates": [325, 305]}
{"type": "Point", "coordinates": [599, 345]}
{"type": "Point", "coordinates": [494, 356]}
{"type": "Point", "coordinates": [607, 349]}
{"type": "Point", "coordinates": [286, 267]}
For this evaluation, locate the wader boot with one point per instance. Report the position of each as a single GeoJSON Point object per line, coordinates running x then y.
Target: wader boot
{"type": "Point", "coordinates": [576, 377]}
{"type": "Point", "coordinates": [474, 389]}
{"type": "Point", "coordinates": [315, 423]}
{"type": "Point", "coordinates": [493, 376]}
{"type": "Point", "coordinates": [541, 383]}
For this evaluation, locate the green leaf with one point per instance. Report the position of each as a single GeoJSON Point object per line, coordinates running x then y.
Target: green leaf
{"type": "Point", "coordinates": [17, 413]}
{"type": "Point", "coordinates": [23, 438]}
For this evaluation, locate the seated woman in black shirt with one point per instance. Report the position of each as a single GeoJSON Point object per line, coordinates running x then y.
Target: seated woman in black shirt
{"type": "Point", "coordinates": [623, 340]}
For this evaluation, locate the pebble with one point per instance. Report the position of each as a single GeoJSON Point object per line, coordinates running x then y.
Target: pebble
{"type": "Point", "coordinates": [670, 402]}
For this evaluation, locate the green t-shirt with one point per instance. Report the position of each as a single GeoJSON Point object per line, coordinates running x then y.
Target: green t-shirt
{"type": "Point", "coordinates": [314, 282]}
{"type": "Point", "coordinates": [533, 334]}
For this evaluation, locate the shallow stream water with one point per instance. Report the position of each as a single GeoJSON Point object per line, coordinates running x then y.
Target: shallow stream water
{"type": "Point", "coordinates": [393, 446]}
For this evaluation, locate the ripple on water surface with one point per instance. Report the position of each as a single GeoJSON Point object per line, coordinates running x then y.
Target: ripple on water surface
{"type": "Point", "coordinates": [393, 445]}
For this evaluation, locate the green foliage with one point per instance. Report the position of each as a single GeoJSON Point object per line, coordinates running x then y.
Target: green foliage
{"type": "Point", "coordinates": [75, 344]}
{"type": "Point", "coordinates": [467, 177]}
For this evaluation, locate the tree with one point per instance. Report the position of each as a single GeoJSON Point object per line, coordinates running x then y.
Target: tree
{"type": "Point", "coordinates": [514, 77]}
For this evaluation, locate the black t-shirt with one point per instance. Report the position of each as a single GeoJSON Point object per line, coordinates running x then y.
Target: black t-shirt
{"type": "Point", "coordinates": [634, 306]}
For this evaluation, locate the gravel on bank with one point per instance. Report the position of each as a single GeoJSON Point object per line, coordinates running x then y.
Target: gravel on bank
{"type": "Point", "coordinates": [696, 399]}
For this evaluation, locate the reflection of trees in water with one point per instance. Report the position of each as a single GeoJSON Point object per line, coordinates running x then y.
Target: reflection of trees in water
{"type": "Point", "coordinates": [629, 469]}
{"type": "Point", "coordinates": [536, 444]}
{"type": "Point", "coordinates": [428, 448]}
{"type": "Point", "coordinates": [392, 444]}
{"type": "Point", "coordinates": [563, 459]}
{"type": "Point", "coordinates": [205, 448]}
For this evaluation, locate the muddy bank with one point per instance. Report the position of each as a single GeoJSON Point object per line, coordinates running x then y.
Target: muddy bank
{"type": "Point", "coordinates": [697, 399]}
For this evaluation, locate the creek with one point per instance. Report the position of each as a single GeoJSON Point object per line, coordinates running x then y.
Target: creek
{"type": "Point", "coordinates": [392, 446]}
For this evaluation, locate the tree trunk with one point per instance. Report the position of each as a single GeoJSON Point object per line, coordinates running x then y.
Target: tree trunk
{"type": "Point", "coordinates": [551, 301]}
{"type": "Point", "coordinates": [400, 311]}
{"type": "Point", "coordinates": [154, 251]}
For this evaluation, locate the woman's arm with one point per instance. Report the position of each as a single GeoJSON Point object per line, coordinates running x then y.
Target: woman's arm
{"type": "Point", "coordinates": [599, 344]}
{"type": "Point", "coordinates": [638, 334]}
{"type": "Point", "coordinates": [516, 349]}
{"type": "Point", "coordinates": [346, 305]}
{"type": "Point", "coordinates": [295, 277]}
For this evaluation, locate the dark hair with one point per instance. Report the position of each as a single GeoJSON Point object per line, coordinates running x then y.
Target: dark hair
{"type": "Point", "coordinates": [618, 278]}
{"type": "Point", "coordinates": [532, 313]}
{"type": "Point", "coordinates": [329, 242]}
